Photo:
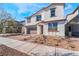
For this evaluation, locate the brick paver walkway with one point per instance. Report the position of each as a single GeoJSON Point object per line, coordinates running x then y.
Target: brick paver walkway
{"type": "Point", "coordinates": [35, 49]}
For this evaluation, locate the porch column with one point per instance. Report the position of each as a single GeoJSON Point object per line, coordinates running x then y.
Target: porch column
{"type": "Point", "coordinates": [24, 30]}
{"type": "Point", "coordinates": [45, 29]}
{"type": "Point", "coordinates": [38, 29]}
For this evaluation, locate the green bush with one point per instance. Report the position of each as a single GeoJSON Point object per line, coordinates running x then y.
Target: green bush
{"type": "Point", "coordinates": [0, 30]}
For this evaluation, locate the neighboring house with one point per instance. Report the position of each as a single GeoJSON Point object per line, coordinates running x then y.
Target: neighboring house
{"type": "Point", "coordinates": [11, 26]}
{"type": "Point", "coordinates": [18, 26]}
{"type": "Point", "coordinates": [72, 23]}
{"type": "Point", "coordinates": [51, 21]}
{"type": "Point", "coordinates": [22, 28]}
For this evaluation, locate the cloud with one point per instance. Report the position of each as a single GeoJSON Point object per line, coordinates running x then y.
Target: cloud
{"type": "Point", "coordinates": [29, 7]}
{"type": "Point", "coordinates": [21, 8]}
{"type": "Point", "coordinates": [68, 6]}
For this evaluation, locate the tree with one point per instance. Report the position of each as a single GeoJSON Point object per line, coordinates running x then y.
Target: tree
{"type": "Point", "coordinates": [6, 20]}
{"type": "Point", "coordinates": [4, 15]}
{"type": "Point", "coordinates": [8, 23]}
{"type": "Point", "coordinates": [1, 27]}
{"type": "Point", "coordinates": [11, 25]}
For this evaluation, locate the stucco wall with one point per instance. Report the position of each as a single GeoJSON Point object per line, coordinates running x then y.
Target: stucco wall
{"type": "Point", "coordinates": [46, 16]}
{"type": "Point", "coordinates": [45, 29]}
{"type": "Point", "coordinates": [61, 29]}
{"type": "Point", "coordinates": [38, 29]}
{"type": "Point", "coordinates": [46, 13]}
{"type": "Point", "coordinates": [59, 12]}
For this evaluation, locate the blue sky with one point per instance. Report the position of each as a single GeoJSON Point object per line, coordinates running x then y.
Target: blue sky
{"type": "Point", "coordinates": [21, 10]}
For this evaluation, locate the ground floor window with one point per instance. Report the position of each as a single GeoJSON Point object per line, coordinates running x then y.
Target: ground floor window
{"type": "Point", "coordinates": [52, 26]}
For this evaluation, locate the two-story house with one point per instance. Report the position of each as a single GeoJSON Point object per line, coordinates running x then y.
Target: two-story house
{"type": "Point", "coordinates": [49, 21]}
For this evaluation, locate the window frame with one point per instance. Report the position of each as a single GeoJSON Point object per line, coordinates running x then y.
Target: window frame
{"type": "Point", "coordinates": [52, 27]}
{"type": "Point", "coordinates": [28, 20]}
{"type": "Point", "coordinates": [38, 17]}
{"type": "Point", "coordinates": [52, 12]}
{"type": "Point", "coordinates": [55, 26]}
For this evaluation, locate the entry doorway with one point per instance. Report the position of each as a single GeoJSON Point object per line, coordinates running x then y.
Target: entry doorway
{"type": "Point", "coordinates": [41, 29]}
{"type": "Point", "coordinates": [70, 32]}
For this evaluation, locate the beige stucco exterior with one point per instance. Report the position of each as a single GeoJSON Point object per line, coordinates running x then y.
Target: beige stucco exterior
{"type": "Point", "coordinates": [59, 18]}
{"type": "Point", "coordinates": [60, 32]}
{"type": "Point", "coordinates": [46, 14]}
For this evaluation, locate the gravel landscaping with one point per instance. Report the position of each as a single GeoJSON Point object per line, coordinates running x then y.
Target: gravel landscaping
{"type": "Point", "coordinates": [6, 51]}
{"type": "Point", "coordinates": [60, 42]}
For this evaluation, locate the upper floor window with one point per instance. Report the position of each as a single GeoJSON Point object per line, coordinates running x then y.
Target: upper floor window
{"type": "Point", "coordinates": [38, 17]}
{"type": "Point", "coordinates": [28, 20]}
{"type": "Point", "coordinates": [52, 26]}
{"type": "Point", "coordinates": [52, 11]}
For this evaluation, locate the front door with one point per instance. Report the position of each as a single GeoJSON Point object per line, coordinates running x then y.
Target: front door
{"type": "Point", "coordinates": [42, 29]}
{"type": "Point", "coordinates": [69, 29]}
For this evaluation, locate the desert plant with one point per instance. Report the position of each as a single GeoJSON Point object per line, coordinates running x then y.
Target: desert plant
{"type": "Point", "coordinates": [72, 45]}
{"type": "Point", "coordinates": [63, 38]}
{"type": "Point", "coordinates": [69, 41]}
{"type": "Point", "coordinates": [58, 41]}
{"type": "Point", "coordinates": [44, 37]}
{"type": "Point", "coordinates": [56, 44]}
{"type": "Point", "coordinates": [25, 39]}
{"type": "Point", "coordinates": [35, 41]}
{"type": "Point", "coordinates": [42, 42]}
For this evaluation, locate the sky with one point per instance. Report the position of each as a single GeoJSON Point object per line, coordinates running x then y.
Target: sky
{"type": "Point", "coordinates": [21, 10]}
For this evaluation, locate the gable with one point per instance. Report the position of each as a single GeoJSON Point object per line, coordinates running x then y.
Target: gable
{"type": "Point", "coordinates": [53, 5]}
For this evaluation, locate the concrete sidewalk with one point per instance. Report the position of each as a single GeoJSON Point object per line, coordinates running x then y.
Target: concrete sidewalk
{"type": "Point", "coordinates": [36, 49]}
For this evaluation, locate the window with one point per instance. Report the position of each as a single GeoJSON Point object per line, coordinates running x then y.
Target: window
{"type": "Point", "coordinates": [55, 26]}
{"type": "Point", "coordinates": [38, 17]}
{"type": "Point", "coordinates": [28, 20]}
{"type": "Point", "coordinates": [52, 11]}
{"type": "Point", "coordinates": [52, 26]}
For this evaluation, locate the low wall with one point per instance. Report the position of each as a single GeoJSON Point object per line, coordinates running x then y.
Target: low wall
{"type": "Point", "coordinates": [9, 34]}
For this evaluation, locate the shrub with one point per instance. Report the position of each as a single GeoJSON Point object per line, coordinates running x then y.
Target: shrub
{"type": "Point", "coordinates": [0, 30]}
{"type": "Point", "coordinates": [25, 39]}
{"type": "Point", "coordinates": [56, 44]}
{"type": "Point", "coordinates": [58, 40]}
{"type": "Point", "coordinates": [72, 45]}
